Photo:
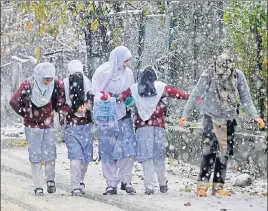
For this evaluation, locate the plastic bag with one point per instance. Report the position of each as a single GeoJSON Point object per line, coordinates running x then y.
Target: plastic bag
{"type": "Point", "coordinates": [104, 112]}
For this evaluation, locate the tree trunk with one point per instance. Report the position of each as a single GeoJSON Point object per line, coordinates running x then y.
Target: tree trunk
{"type": "Point", "coordinates": [140, 41]}
{"type": "Point", "coordinates": [260, 93]}
{"type": "Point", "coordinates": [88, 38]}
{"type": "Point", "coordinates": [220, 21]}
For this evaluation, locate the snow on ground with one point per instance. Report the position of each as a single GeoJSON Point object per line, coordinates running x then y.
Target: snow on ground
{"type": "Point", "coordinates": [17, 131]}
{"type": "Point", "coordinates": [17, 196]}
{"type": "Point", "coordinates": [182, 186]}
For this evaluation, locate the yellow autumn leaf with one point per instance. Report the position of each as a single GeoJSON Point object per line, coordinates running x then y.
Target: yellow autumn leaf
{"type": "Point", "coordinates": [91, 8]}
{"type": "Point", "coordinates": [37, 51]}
{"type": "Point", "coordinates": [29, 26]}
{"type": "Point", "coordinates": [187, 189]}
{"type": "Point", "coordinates": [171, 161]}
{"type": "Point", "coordinates": [147, 12]}
{"type": "Point", "coordinates": [18, 143]}
{"type": "Point", "coordinates": [43, 28]}
{"type": "Point", "coordinates": [80, 7]}
{"type": "Point", "coordinates": [95, 25]}
{"type": "Point", "coordinates": [265, 63]}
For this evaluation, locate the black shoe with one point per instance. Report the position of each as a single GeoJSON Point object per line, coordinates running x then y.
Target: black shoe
{"type": "Point", "coordinates": [128, 188]}
{"type": "Point", "coordinates": [51, 188]}
{"type": "Point", "coordinates": [123, 186]}
{"type": "Point", "coordinates": [149, 191]}
{"type": "Point", "coordinates": [83, 187]}
{"type": "Point", "coordinates": [164, 189]}
{"type": "Point", "coordinates": [39, 191]}
{"type": "Point", "coordinates": [110, 191]}
{"type": "Point", "coordinates": [77, 192]}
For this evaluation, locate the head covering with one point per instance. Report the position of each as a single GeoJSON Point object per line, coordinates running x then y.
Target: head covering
{"type": "Point", "coordinates": [41, 93]}
{"type": "Point", "coordinates": [146, 85]}
{"type": "Point", "coordinates": [223, 74]}
{"type": "Point", "coordinates": [113, 77]}
{"type": "Point", "coordinates": [75, 66]}
{"type": "Point", "coordinates": [147, 93]}
{"type": "Point", "coordinates": [113, 70]}
{"type": "Point", "coordinates": [76, 86]}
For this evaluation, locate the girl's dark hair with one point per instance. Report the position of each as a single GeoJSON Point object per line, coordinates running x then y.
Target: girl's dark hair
{"type": "Point", "coordinates": [146, 86]}
{"type": "Point", "coordinates": [76, 84]}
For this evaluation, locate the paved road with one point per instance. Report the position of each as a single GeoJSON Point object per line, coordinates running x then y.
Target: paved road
{"type": "Point", "coordinates": [17, 191]}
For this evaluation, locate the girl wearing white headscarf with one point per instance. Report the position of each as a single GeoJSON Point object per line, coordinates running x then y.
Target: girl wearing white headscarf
{"type": "Point", "coordinates": [148, 96]}
{"type": "Point", "coordinates": [78, 133]}
{"type": "Point", "coordinates": [35, 101]}
{"type": "Point", "coordinates": [116, 148]}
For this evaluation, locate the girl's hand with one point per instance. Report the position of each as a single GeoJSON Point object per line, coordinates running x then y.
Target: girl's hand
{"type": "Point", "coordinates": [105, 95]}
{"type": "Point", "coordinates": [182, 120]}
{"type": "Point", "coordinates": [199, 101]}
{"type": "Point", "coordinates": [260, 122]}
{"type": "Point", "coordinates": [82, 108]}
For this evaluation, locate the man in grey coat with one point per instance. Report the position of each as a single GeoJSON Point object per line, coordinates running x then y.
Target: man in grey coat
{"type": "Point", "coordinates": [222, 84]}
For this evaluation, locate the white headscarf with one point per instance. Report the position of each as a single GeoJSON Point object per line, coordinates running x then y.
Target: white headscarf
{"type": "Point", "coordinates": [147, 105]}
{"type": "Point", "coordinates": [76, 66]}
{"type": "Point", "coordinates": [41, 93]}
{"type": "Point", "coordinates": [113, 77]}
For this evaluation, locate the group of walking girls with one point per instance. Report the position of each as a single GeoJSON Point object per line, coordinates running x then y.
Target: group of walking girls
{"type": "Point", "coordinates": [141, 138]}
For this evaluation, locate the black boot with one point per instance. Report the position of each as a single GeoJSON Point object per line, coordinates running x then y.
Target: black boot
{"type": "Point", "coordinates": [128, 188]}
{"type": "Point", "coordinates": [110, 191]}
{"type": "Point", "coordinates": [51, 187]}
{"type": "Point", "coordinates": [149, 191]}
{"type": "Point", "coordinates": [123, 186]}
{"type": "Point", "coordinates": [164, 188]}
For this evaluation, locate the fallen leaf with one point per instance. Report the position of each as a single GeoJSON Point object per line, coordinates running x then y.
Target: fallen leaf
{"type": "Point", "coordinates": [18, 142]}
{"type": "Point", "coordinates": [264, 194]}
{"type": "Point", "coordinates": [231, 191]}
{"type": "Point", "coordinates": [187, 204]}
{"type": "Point", "coordinates": [187, 189]}
{"type": "Point", "coordinates": [255, 193]}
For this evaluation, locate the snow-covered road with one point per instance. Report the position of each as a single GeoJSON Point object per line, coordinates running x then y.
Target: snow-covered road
{"type": "Point", "coordinates": [17, 190]}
